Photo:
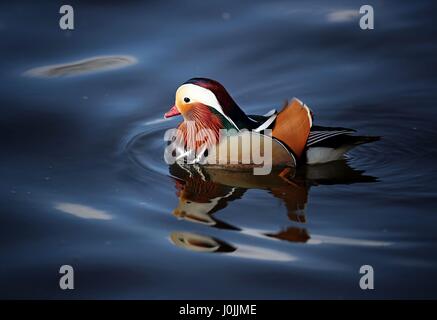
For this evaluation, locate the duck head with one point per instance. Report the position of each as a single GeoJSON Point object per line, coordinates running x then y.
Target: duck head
{"type": "Point", "coordinates": [208, 104]}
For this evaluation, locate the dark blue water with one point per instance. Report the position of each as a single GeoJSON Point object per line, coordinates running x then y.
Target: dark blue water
{"type": "Point", "coordinates": [83, 180]}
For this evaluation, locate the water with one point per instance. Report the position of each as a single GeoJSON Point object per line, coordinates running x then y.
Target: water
{"type": "Point", "coordinates": [83, 177]}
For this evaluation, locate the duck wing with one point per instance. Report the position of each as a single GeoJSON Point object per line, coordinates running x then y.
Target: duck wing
{"type": "Point", "coordinates": [292, 126]}
{"type": "Point", "coordinates": [319, 135]}
{"type": "Point", "coordinates": [336, 137]}
{"type": "Point", "coordinates": [327, 144]}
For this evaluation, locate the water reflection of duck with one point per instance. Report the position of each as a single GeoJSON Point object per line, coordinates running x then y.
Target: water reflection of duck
{"type": "Point", "coordinates": [205, 104]}
{"type": "Point", "coordinates": [203, 191]}
{"type": "Point", "coordinates": [200, 243]}
{"type": "Point", "coordinates": [204, 243]}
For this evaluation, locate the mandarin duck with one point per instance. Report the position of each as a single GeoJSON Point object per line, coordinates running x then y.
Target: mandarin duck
{"type": "Point", "coordinates": [295, 140]}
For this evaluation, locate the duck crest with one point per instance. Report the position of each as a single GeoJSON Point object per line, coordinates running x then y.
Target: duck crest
{"type": "Point", "coordinates": [227, 103]}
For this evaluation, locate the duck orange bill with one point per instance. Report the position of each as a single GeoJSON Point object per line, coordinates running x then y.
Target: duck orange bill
{"type": "Point", "coordinates": [172, 112]}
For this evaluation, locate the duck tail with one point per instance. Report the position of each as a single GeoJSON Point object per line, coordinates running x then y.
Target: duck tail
{"type": "Point", "coordinates": [292, 126]}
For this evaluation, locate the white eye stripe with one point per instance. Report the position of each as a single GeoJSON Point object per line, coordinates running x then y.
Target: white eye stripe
{"type": "Point", "coordinates": [198, 94]}
{"type": "Point", "coordinates": [202, 95]}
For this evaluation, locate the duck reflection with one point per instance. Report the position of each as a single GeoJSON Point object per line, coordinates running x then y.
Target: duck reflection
{"type": "Point", "coordinates": [204, 191]}
{"type": "Point", "coordinates": [200, 243]}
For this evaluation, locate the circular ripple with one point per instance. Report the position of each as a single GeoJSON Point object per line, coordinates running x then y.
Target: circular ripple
{"type": "Point", "coordinates": [401, 157]}
{"type": "Point", "coordinates": [145, 144]}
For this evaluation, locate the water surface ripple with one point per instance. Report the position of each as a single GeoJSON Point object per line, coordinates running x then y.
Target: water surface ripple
{"type": "Point", "coordinates": [84, 181]}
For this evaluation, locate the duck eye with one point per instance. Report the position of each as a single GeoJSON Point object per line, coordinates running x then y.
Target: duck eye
{"type": "Point", "coordinates": [186, 99]}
